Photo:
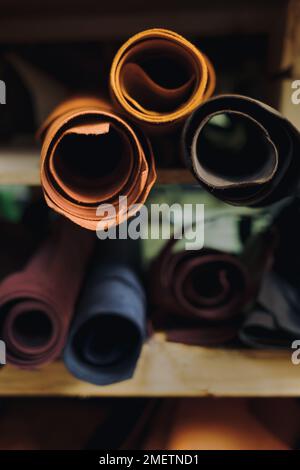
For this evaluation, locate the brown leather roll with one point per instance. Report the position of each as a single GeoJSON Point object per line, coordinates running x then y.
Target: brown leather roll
{"type": "Point", "coordinates": [242, 151]}
{"type": "Point", "coordinates": [198, 294]}
{"type": "Point", "coordinates": [91, 156]}
{"type": "Point", "coordinates": [159, 78]}
{"type": "Point", "coordinates": [37, 303]}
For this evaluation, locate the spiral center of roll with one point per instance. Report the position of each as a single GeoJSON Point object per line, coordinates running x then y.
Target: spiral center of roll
{"type": "Point", "coordinates": [32, 328]}
{"type": "Point", "coordinates": [231, 145]}
{"type": "Point", "coordinates": [90, 159]}
{"type": "Point", "coordinates": [158, 76]}
{"type": "Point", "coordinates": [106, 340]}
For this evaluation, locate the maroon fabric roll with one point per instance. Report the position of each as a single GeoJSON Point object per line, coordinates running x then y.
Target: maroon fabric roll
{"type": "Point", "coordinates": [37, 303]}
{"type": "Point", "coordinates": [198, 294]}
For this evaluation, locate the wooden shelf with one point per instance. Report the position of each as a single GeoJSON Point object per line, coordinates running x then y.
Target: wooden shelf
{"type": "Point", "coordinates": [169, 369]}
{"type": "Point", "coordinates": [20, 166]}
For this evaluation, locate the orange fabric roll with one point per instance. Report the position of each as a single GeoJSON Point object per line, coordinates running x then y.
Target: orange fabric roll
{"type": "Point", "coordinates": [91, 156]}
{"type": "Point", "coordinates": [210, 424]}
{"type": "Point", "coordinates": [159, 78]}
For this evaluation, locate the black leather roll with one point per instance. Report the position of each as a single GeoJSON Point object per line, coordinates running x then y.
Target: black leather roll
{"type": "Point", "coordinates": [242, 151]}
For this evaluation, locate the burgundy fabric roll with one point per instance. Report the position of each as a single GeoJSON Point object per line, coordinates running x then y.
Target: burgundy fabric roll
{"type": "Point", "coordinates": [37, 303]}
{"type": "Point", "coordinates": [198, 294]}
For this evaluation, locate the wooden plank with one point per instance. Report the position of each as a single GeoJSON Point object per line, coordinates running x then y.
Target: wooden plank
{"type": "Point", "coordinates": [169, 369]}
{"type": "Point", "coordinates": [20, 166]}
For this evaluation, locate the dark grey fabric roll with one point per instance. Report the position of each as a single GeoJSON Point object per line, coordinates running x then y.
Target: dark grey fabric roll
{"type": "Point", "coordinates": [242, 151]}
{"type": "Point", "coordinates": [109, 329]}
{"type": "Point", "coordinates": [275, 320]}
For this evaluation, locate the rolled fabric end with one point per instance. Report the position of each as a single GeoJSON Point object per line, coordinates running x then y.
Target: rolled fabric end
{"type": "Point", "coordinates": [206, 290]}
{"type": "Point", "coordinates": [109, 328]}
{"type": "Point", "coordinates": [242, 151]}
{"type": "Point", "coordinates": [91, 157]}
{"type": "Point", "coordinates": [274, 322]}
{"type": "Point", "coordinates": [37, 303]}
{"type": "Point", "coordinates": [159, 78]}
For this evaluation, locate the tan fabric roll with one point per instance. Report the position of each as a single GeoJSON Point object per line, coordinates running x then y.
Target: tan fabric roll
{"type": "Point", "coordinates": [159, 78]}
{"type": "Point", "coordinates": [91, 156]}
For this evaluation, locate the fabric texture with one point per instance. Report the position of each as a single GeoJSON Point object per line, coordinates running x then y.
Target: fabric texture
{"type": "Point", "coordinates": [110, 326]}
{"type": "Point", "coordinates": [159, 78]}
{"type": "Point", "coordinates": [242, 151]}
{"type": "Point", "coordinates": [37, 303]}
{"type": "Point", "coordinates": [274, 320]}
{"type": "Point", "coordinates": [198, 295]}
{"type": "Point", "coordinates": [91, 156]}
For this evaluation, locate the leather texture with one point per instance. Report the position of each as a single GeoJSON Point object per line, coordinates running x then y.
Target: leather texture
{"type": "Point", "coordinates": [274, 320]}
{"type": "Point", "coordinates": [91, 156]}
{"type": "Point", "coordinates": [198, 295]}
{"type": "Point", "coordinates": [242, 151]}
{"type": "Point", "coordinates": [158, 78]}
{"type": "Point", "coordinates": [37, 303]}
{"type": "Point", "coordinates": [110, 326]}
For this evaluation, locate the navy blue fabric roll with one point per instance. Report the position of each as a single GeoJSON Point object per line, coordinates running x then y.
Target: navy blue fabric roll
{"type": "Point", "coordinates": [109, 329]}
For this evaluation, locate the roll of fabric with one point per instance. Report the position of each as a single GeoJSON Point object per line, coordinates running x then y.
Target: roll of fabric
{"type": "Point", "coordinates": [91, 156]}
{"type": "Point", "coordinates": [37, 303]}
{"type": "Point", "coordinates": [242, 151]}
{"type": "Point", "coordinates": [17, 243]}
{"type": "Point", "coordinates": [109, 328]}
{"type": "Point", "coordinates": [274, 320]}
{"type": "Point", "coordinates": [198, 295]}
{"type": "Point", "coordinates": [209, 424]}
{"type": "Point", "coordinates": [159, 78]}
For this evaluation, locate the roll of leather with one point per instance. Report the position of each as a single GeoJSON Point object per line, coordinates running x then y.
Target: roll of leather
{"type": "Point", "coordinates": [17, 243]}
{"type": "Point", "coordinates": [198, 295]}
{"type": "Point", "coordinates": [274, 321]}
{"type": "Point", "coordinates": [109, 329]}
{"type": "Point", "coordinates": [242, 151]}
{"type": "Point", "coordinates": [209, 424]}
{"type": "Point", "coordinates": [91, 156]}
{"type": "Point", "coordinates": [37, 303]}
{"type": "Point", "coordinates": [159, 78]}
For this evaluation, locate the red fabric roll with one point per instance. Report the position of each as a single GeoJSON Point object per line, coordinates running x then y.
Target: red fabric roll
{"type": "Point", "coordinates": [197, 294]}
{"type": "Point", "coordinates": [37, 303]}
